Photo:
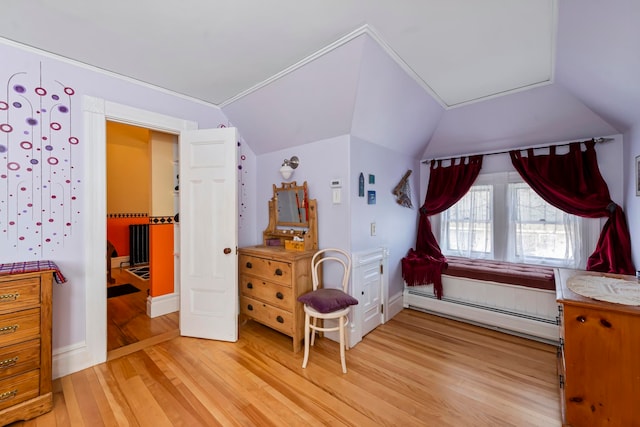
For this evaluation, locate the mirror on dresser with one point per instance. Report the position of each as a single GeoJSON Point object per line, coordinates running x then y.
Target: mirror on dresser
{"type": "Point", "coordinates": [292, 218]}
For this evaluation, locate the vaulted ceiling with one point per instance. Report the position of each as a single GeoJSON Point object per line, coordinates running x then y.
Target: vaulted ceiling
{"type": "Point", "coordinates": [424, 77]}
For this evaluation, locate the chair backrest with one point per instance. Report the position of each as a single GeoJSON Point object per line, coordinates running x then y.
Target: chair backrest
{"type": "Point", "coordinates": [329, 255]}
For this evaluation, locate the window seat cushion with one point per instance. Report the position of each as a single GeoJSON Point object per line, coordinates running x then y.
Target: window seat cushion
{"type": "Point", "coordinates": [532, 276]}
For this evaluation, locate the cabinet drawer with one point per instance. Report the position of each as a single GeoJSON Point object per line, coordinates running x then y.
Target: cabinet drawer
{"type": "Point", "coordinates": [19, 294]}
{"type": "Point", "coordinates": [266, 314]}
{"type": "Point", "coordinates": [273, 271]}
{"type": "Point", "coordinates": [19, 388]}
{"type": "Point", "coordinates": [20, 326]}
{"type": "Point", "coordinates": [18, 358]}
{"type": "Point", "coordinates": [272, 293]}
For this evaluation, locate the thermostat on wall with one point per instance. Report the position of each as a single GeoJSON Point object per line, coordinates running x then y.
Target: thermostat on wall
{"type": "Point", "coordinates": [336, 183]}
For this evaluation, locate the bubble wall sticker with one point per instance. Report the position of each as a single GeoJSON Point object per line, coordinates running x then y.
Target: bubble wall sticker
{"type": "Point", "coordinates": [38, 188]}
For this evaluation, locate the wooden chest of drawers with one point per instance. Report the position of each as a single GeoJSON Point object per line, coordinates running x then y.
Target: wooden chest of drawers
{"type": "Point", "coordinates": [25, 346]}
{"type": "Point", "coordinates": [597, 358]}
{"type": "Point", "coordinates": [271, 279]}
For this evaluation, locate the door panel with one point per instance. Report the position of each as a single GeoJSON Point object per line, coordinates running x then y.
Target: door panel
{"type": "Point", "coordinates": [208, 234]}
{"type": "Point", "coordinates": [371, 297]}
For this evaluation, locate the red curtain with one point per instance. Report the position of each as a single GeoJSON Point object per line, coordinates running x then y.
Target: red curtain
{"type": "Point", "coordinates": [447, 185]}
{"type": "Point", "coordinates": [572, 182]}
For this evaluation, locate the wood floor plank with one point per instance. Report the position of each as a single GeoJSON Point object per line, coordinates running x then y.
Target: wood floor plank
{"type": "Point", "coordinates": [415, 370]}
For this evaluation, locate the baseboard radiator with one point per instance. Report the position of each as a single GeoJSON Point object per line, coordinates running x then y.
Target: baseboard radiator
{"type": "Point", "coordinates": [518, 310]}
{"type": "Point", "coordinates": [138, 244]}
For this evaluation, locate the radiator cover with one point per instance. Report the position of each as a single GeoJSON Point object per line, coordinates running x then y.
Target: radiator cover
{"type": "Point", "coordinates": [513, 309]}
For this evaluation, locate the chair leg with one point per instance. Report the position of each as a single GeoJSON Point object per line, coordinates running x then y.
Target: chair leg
{"type": "Point", "coordinates": [313, 331]}
{"type": "Point", "coordinates": [342, 345]}
{"type": "Point", "coordinates": [306, 341]}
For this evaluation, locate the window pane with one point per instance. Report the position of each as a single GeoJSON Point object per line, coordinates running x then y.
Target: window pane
{"type": "Point", "coordinates": [468, 225]}
{"type": "Point", "coordinates": [540, 230]}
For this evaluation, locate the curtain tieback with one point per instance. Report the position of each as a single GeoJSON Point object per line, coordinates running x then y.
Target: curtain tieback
{"type": "Point", "coordinates": [611, 207]}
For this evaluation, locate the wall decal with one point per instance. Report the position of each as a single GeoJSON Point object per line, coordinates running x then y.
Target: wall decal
{"type": "Point", "coordinates": [38, 188]}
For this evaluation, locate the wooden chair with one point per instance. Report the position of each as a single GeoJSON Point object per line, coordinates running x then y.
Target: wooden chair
{"type": "Point", "coordinates": [327, 303]}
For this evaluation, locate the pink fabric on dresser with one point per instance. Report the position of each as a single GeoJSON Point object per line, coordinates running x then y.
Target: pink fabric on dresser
{"type": "Point", "coordinates": [32, 266]}
{"type": "Point", "coordinates": [532, 276]}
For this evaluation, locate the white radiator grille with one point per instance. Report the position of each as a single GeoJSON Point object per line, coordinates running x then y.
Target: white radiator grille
{"type": "Point", "coordinates": [514, 309]}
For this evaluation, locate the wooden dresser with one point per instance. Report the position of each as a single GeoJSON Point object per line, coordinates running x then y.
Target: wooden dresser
{"type": "Point", "coordinates": [25, 345]}
{"type": "Point", "coordinates": [598, 358]}
{"type": "Point", "coordinates": [271, 279]}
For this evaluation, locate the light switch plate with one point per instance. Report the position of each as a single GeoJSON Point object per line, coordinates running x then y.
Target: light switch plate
{"type": "Point", "coordinates": [336, 196]}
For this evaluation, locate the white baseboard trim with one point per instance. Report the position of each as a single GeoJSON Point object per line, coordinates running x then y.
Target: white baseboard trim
{"type": "Point", "coordinates": [395, 306]}
{"type": "Point", "coordinates": [164, 304]}
{"type": "Point", "coordinates": [72, 358]}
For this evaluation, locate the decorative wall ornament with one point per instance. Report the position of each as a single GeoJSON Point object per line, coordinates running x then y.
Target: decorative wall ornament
{"type": "Point", "coordinates": [402, 191]}
{"type": "Point", "coordinates": [39, 159]}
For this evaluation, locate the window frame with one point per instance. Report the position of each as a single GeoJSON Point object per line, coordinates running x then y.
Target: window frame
{"type": "Point", "coordinates": [588, 228]}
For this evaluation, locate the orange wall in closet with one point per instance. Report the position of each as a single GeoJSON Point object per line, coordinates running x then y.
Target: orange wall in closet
{"type": "Point", "coordinates": [161, 258]}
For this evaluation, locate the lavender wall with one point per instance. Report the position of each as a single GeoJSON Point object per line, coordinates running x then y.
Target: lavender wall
{"type": "Point", "coordinates": [632, 201]}
{"type": "Point", "coordinates": [395, 224]}
{"type": "Point", "coordinates": [320, 162]}
{"type": "Point", "coordinates": [41, 170]}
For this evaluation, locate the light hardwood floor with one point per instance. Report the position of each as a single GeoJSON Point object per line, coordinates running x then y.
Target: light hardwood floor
{"type": "Point", "coordinates": [415, 370]}
{"type": "Point", "coordinates": [128, 326]}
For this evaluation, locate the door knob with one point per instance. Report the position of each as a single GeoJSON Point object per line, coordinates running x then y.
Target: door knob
{"type": "Point", "coordinates": [227, 251]}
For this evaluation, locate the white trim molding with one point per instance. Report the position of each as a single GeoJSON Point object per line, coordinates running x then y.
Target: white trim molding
{"type": "Point", "coordinates": [163, 304]}
{"type": "Point", "coordinates": [96, 112]}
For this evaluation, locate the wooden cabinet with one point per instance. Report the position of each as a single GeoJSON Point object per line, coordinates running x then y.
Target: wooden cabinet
{"type": "Point", "coordinates": [598, 358]}
{"type": "Point", "coordinates": [271, 279]}
{"type": "Point", "coordinates": [25, 346]}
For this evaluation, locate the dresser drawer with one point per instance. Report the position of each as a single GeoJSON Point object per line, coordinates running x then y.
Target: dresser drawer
{"type": "Point", "coordinates": [266, 314]}
{"type": "Point", "coordinates": [271, 270]}
{"type": "Point", "coordinates": [272, 293]}
{"type": "Point", "coordinates": [19, 294]}
{"type": "Point", "coordinates": [19, 388]}
{"type": "Point", "coordinates": [18, 358]}
{"type": "Point", "coordinates": [20, 326]}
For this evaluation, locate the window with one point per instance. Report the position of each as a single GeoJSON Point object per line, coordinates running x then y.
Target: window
{"type": "Point", "coordinates": [502, 218]}
{"type": "Point", "coordinates": [468, 225]}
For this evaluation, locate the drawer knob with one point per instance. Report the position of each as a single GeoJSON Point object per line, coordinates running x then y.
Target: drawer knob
{"type": "Point", "coordinates": [250, 285]}
{"type": "Point", "coordinates": [8, 329]}
{"type": "Point", "coordinates": [279, 295]}
{"type": "Point", "coordinates": [278, 272]}
{"type": "Point", "coordinates": [9, 297]}
{"type": "Point", "coordinates": [605, 323]}
{"type": "Point", "coordinates": [280, 319]}
{"type": "Point", "coordinates": [250, 307]}
{"type": "Point", "coordinates": [581, 319]}
{"type": "Point", "coordinates": [8, 394]}
{"type": "Point", "coordinates": [248, 264]}
{"type": "Point", "coordinates": [7, 363]}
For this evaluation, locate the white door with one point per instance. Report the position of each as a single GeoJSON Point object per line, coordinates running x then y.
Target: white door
{"type": "Point", "coordinates": [371, 298]}
{"type": "Point", "coordinates": [208, 234]}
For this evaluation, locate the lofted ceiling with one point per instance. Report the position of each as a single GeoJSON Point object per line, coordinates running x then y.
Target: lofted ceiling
{"type": "Point", "coordinates": [423, 77]}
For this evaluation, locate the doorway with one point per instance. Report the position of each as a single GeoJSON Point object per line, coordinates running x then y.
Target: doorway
{"type": "Point", "coordinates": [142, 189]}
